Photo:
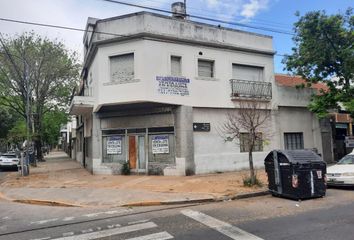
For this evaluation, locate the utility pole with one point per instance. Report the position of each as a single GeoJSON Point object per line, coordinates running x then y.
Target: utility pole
{"type": "Point", "coordinates": [25, 166]}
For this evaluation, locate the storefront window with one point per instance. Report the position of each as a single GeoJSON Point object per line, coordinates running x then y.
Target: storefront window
{"type": "Point", "coordinates": [113, 149]}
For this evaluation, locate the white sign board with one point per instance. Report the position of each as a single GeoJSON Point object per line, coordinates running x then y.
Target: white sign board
{"type": "Point", "coordinates": [114, 145]}
{"type": "Point", "coordinates": [160, 144]}
{"type": "Point", "coordinates": [349, 141]}
{"type": "Point", "coordinates": [173, 85]}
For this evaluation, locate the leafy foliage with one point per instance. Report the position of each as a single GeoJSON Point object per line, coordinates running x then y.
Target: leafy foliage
{"type": "Point", "coordinates": [51, 125]}
{"type": "Point", "coordinates": [324, 52]}
{"type": "Point", "coordinates": [40, 68]}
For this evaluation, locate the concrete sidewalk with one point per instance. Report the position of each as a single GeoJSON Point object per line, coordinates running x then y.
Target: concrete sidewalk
{"type": "Point", "coordinates": [62, 181]}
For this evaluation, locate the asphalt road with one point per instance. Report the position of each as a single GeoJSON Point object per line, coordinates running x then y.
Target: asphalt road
{"type": "Point", "coordinates": [263, 217]}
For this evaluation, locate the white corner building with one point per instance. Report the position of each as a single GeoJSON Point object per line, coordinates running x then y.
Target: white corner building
{"type": "Point", "coordinates": [156, 89]}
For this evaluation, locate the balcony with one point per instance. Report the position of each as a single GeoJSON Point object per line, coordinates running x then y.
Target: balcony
{"type": "Point", "coordinates": [244, 89]}
{"type": "Point", "coordinates": [81, 105]}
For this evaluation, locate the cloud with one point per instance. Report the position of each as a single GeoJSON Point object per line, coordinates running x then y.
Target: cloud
{"type": "Point", "coordinates": [249, 10]}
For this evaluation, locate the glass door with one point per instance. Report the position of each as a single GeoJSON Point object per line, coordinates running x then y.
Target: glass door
{"type": "Point", "coordinates": [141, 153]}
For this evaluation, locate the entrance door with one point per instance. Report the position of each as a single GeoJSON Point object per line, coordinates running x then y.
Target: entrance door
{"type": "Point", "coordinates": [132, 152]}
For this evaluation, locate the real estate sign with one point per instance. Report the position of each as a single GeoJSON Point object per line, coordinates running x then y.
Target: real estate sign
{"type": "Point", "coordinates": [349, 141]}
{"type": "Point", "coordinates": [114, 145]}
{"type": "Point", "coordinates": [160, 144]}
{"type": "Point", "coordinates": [173, 85]}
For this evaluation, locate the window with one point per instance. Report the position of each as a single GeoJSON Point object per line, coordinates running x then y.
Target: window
{"type": "Point", "coordinates": [122, 67]}
{"type": "Point", "coordinates": [176, 67]}
{"type": "Point", "coordinates": [293, 141]}
{"type": "Point", "coordinates": [205, 68]}
{"type": "Point", "coordinates": [244, 143]}
{"type": "Point", "coordinates": [113, 149]}
{"type": "Point", "coordinates": [248, 73]}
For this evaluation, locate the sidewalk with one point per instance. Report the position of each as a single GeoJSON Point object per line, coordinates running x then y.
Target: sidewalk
{"type": "Point", "coordinates": [62, 181]}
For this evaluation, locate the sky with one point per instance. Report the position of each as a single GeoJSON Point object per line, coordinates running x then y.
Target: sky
{"type": "Point", "coordinates": [276, 14]}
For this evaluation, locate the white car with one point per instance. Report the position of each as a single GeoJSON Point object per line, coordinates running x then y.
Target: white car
{"type": "Point", "coordinates": [342, 174]}
{"type": "Point", "coordinates": [9, 160]}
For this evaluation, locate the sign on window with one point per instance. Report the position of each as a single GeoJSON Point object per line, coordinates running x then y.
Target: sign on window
{"type": "Point", "coordinates": [114, 145]}
{"type": "Point", "coordinates": [160, 144]}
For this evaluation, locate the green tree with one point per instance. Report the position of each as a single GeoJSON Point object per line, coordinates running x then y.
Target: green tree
{"type": "Point", "coordinates": [17, 134]}
{"type": "Point", "coordinates": [52, 122]}
{"type": "Point", "coordinates": [42, 68]}
{"type": "Point", "coordinates": [7, 121]}
{"type": "Point", "coordinates": [324, 52]}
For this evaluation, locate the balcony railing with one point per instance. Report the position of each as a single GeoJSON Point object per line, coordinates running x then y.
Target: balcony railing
{"type": "Point", "coordinates": [251, 89]}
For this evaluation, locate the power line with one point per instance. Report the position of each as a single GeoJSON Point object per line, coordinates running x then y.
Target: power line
{"type": "Point", "coordinates": [60, 27]}
{"type": "Point", "coordinates": [202, 18]}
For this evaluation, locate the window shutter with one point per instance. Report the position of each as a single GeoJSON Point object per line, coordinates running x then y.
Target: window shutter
{"type": "Point", "coordinates": [249, 73]}
{"type": "Point", "coordinates": [122, 67]}
{"type": "Point", "coordinates": [205, 68]}
{"type": "Point", "coordinates": [176, 68]}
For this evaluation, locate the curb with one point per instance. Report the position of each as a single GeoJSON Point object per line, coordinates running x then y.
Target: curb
{"type": "Point", "coordinates": [46, 203]}
{"type": "Point", "coordinates": [201, 200]}
{"type": "Point", "coordinates": [142, 204]}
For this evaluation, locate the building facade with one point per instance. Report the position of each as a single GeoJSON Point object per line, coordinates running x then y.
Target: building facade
{"type": "Point", "coordinates": [156, 89]}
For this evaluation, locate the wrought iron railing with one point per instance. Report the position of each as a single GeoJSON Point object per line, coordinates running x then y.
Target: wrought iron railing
{"type": "Point", "coordinates": [251, 89]}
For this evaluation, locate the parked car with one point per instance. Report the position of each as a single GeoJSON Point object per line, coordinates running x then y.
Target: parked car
{"type": "Point", "coordinates": [9, 160]}
{"type": "Point", "coordinates": [342, 173]}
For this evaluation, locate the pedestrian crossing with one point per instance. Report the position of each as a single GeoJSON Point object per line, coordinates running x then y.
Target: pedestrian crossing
{"type": "Point", "coordinates": [145, 229]}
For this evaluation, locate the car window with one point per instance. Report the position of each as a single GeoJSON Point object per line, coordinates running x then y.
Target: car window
{"type": "Point", "coordinates": [8, 156]}
{"type": "Point", "coordinates": [349, 159]}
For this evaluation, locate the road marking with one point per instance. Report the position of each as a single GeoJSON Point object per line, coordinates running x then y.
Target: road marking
{"type": "Point", "coordinates": [220, 226]}
{"type": "Point", "coordinates": [44, 238]}
{"type": "Point", "coordinates": [44, 221]}
{"type": "Point", "coordinates": [107, 212]}
{"type": "Point", "coordinates": [110, 232]}
{"type": "Point", "coordinates": [86, 215]}
{"type": "Point", "coordinates": [68, 234]}
{"type": "Point", "coordinates": [68, 218]}
{"type": "Point", "coordinates": [140, 221]}
{"type": "Point", "coordinates": [87, 230]}
{"type": "Point", "coordinates": [113, 226]}
{"type": "Point", "coordinates": [154, 236]}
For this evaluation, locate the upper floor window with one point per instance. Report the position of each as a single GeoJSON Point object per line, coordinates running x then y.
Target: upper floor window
{"type": "Point", "coordinates": [176, 66]}
{"type": "Point", "coordinates": [248, 73]}
{"type": "Point", "coordinates": [122, 67]}
{"type": "Point", "coordinates": [205, 68]}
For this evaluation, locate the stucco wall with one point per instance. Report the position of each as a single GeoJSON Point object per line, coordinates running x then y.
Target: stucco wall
{"type": "Point", "coordinates": [212, 154]}
{"type": "Point", "coordinates": [296, 119]}
{"type": "Point", "coordinates": [152, 59]}
{"type": "Point", "coordinates": [158, 24]}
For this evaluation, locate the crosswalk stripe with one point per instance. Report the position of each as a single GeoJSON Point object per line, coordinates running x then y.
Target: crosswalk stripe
{"type": "Point", "coordinates": [220, 226]}
{"type": "Point", "coordinates": [154, 236]}
{"type": "Point", "coordinates": [110, 232]}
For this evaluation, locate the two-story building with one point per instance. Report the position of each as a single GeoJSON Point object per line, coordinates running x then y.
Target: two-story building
{"type": "Point", "coordinates": [156, 89]}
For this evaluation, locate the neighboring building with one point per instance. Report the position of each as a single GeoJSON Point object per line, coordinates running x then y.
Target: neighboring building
{"type": "Point", "coordinates": [343, 133]}
{"type": "Point", "coordinates": [299, 128]}
{"type": "Point", "coordinates": [67, 137]}
{"type": "Point", "coordinates": [155, 90]}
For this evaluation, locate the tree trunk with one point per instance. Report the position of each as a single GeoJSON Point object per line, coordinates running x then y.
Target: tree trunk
{"type": "Point", "coordinates": [252, 173]}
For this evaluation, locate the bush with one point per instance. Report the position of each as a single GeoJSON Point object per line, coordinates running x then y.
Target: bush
{"type": "Point", "coordinates": [126, 168]}
{"type": "Point", "coordinates": [247, 182]}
